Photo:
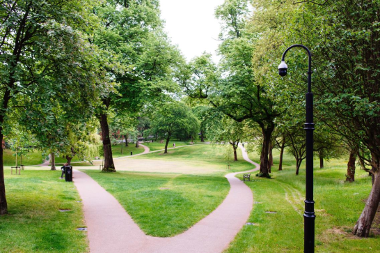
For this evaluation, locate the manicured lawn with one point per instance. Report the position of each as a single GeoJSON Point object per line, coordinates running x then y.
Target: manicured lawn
{"type": "Point", "coordinates": [164, 204]}
{"type": "Point", "coordinates": [121, 150]}
{"type": "Point", "coordinates": [206, 156]}
{"type": "Point", "coordinates": [34, 222]}
{"type": "Point", "coordinates": [338, 206]}
{"type": "Point", "coordinates": [33, 157]}
{"type": "Point", "coordinates": [156, 145]}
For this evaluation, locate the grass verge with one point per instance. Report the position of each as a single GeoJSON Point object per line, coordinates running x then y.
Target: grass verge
{"type": "Point", "coordinates": [279, 207]}
{"type": "Point", "coordinates": [164, 205]}
{"type": "Point", "coordinates": [35, 222]}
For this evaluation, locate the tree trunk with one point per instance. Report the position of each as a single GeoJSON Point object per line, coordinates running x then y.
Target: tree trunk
{"type": "Point", "coordinates": [137, 144]}
{"type": "Point", "coordinates": [3, 199]}
{"type": "Point", "coordinates": [52, 161]}
{"type": "Point", "coordinates": [264, 161]}
{"type": "Point", "coordinates": [363, 225]}
{"type": "Point", "coordinates": [270, 160]}
{"type": "Point", "coordinates": [321, 162]}
{"type": "Point", "coordinates": [166, 144]}
{"type": "Point", "coordinates": [107, 149]}
{"type": "Point", "coordinates": [350, 177]}
{"type": "Point", "coordinates": [68, 160]}
{"type": "Point", "coordinates": [298, 165]}
{"type": "Point", "coordinates": [235, 152]}
{"type": "Point", "coordinates": [126, 140]}
{"type": "Point", "coordinates": [281, 154]}
{"type": "Point", "coordinates": [202, 137]}
{"type": "Point", "coordinates": [271, 154]}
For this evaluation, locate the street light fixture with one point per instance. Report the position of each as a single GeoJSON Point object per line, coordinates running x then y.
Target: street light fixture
{"type": "Point", "coordinates": [309, 215]}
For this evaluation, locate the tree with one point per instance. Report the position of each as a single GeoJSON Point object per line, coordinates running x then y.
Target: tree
{"type": "Point", "coordinates": [172, 118]}
{"type": "Point", "coordinates": [132, 32]}
{"type": "Point", "coordinates": [233, 89]}
{"type": "Point", "coordinates": [281, 139]}
{"type": "Point", "coordinates": [43, 49]}
{"type": "Point", "coordinates": [342, 36]}
{"type": "Point", "coordinates": [327, 144]}
{"type": "Point", "coordinates": [297, 145]}
{"type": "Point", "coordinates": [348, 63]}
{"type": "Point", "coordinates": [227, 130]}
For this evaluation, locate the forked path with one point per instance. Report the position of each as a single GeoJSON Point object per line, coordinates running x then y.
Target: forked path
{"type": "Point", "coordinates": [111, 229]}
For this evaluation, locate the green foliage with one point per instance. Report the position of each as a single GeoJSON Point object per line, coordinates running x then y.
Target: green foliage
{"type": "Point", "coordinates": [173, 119]}
{"type": "Point", "coordinates": [51, 70]}
{"type": "Point", "coordinates": [233, 13]}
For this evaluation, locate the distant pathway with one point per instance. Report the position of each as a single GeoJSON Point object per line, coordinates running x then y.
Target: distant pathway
{"type": "Point", "coordinates": [111, 229]}
{"type": "Point", "coordinates": [147, 151]}
{"type": "Point", "coordinates": [46, 162]}
{"type": "Point", "coordinates": [245, 157]}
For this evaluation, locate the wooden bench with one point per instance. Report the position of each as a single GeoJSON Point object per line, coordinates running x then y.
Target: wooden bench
{"type": "Point", "coordinates": [247, 176]}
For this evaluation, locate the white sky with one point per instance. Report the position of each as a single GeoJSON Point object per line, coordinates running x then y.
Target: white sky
{"type": "Point", "coordinates": [192, 25]}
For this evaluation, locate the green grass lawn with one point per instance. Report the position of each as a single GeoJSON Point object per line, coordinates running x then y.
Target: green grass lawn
{"type": "Point", "coordinates": [156, 145]}
{"type": "Point", "coordinates": [33, 157]}
{"type": "Point", "coordinates": [164, 205]}
{"type": "Point", "coordinates": [338, 206]}
{"type": "Point", "coordinates": [167, 204]}
{"type": "Point", "coordinates": [121, 150]}
{"type": "Point", "coordinates": [34, 222]}
{"type": "Point", "coordinates": [206, 156]}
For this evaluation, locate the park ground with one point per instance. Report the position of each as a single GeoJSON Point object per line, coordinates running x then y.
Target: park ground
{"type": "Point", "coordinates": [167, 193]}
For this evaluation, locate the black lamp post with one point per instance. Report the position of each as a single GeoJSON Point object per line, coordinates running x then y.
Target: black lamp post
{"type": "Point", "coordinates": [309, 215]}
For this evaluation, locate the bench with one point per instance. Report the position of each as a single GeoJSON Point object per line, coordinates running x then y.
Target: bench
{"type": "Point", "coordinates": [17, 168]}
{"type": "Point", "coordinates": [247, 176]}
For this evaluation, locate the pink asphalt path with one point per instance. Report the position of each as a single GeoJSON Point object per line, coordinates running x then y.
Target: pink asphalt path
{"type": "Point", "coordinates": [111, 229]}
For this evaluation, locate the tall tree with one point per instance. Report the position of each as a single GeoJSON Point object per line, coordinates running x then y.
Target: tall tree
{"type": "Point", "coordinates": [239, 95]}
{"type": "Point", "coordinates": [229, 131]}
{"type": "Point", "coordinates": [172, 118]}
{"type": "Point", "coordinates": [132, 32]}
{"type": "Point", "coordinates": [42, 47]}
{"type": "Point", "coordinates": [343, 36]}
{"type": "Point", "coordinates": [348, 86]}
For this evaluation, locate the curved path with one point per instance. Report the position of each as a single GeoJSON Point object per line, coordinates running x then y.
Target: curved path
{"type": "Point", "coordinates": [111, 229]}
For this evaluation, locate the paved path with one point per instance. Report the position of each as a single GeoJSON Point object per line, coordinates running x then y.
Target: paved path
{"type": "Point", "coordinates": [111, 229]}
{"type": "Point", "coordinates": [146, 151]}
